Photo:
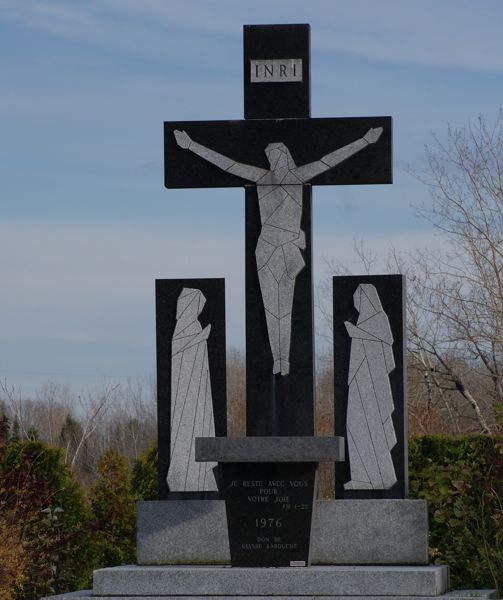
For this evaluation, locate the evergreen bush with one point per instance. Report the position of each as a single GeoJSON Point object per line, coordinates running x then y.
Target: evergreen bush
{"type": "Point", "coordinates": [144, 476]}
{"type": "Point", "coordinates": [114, 511]}
{"type": "Point", "coordinates": [45, 509]}
{"type": "Point", "coordinates": [462, 481]}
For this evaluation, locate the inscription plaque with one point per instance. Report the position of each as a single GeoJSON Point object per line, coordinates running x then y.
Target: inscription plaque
{"type": "Point", "coordinates": [276, 70]}
{"type": "Point", "coordinates": [269, 512]}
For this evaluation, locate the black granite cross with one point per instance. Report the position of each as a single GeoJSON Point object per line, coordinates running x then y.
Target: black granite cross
{"type": "Point", "coordinates": [277, 153]}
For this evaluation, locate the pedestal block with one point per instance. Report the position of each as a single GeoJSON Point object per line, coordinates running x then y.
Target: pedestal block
{"type": "Point", "coordinates": [269, 488]}
{"type": "Point", "coordinates": [343, 532]}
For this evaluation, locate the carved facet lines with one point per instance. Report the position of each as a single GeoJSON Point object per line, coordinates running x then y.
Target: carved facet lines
{"type": "Point", "coordinates": [369, 424]}
{"type": "Point", "coordinates": [278, 251]}
{"type": "Point", "coordinates": [191, 401]}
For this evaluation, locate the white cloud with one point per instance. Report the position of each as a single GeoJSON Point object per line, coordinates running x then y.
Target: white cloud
{"type": "Point", "coordinates": [78, 299]}
{"type": "Point", "coordinates": [88, 282]}
{"type": "Point", "coordinates": [450, 33]}
{"type": "Point", "coordinates": [456, 33]}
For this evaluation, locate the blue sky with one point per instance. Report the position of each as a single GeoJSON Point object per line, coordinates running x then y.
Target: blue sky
{"type": "Point", "coordinates": [85, 222]}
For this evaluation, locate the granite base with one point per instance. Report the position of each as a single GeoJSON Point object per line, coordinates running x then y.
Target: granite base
{"type": "Point", "coordinates": [293, 581]}
{"type": "Point", "coordinates": [351, 532]}
{"type": "Point", "coordinates": [454, 595]}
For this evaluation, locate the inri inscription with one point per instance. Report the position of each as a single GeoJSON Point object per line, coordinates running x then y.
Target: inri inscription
{"type": "Point", "coordinates": [274, 70]}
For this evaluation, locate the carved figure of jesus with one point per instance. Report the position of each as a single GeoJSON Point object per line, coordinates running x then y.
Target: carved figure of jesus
{"type": "Point", "coordinates": [281, 240]}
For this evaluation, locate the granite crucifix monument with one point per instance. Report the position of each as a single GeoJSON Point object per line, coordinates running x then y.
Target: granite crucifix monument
{"type": "Point", "coordinates": [277, 153]}
{"type": "Point", "coordinates": [231, 506]}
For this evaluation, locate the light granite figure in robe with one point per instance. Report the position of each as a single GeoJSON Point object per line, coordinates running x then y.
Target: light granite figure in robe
{"type": "Point", "coordinates": [281, 241]}
{"type": "Point", "coordinates": [369, 423]}
{"type": "Point", "coordinates": [191, 400]}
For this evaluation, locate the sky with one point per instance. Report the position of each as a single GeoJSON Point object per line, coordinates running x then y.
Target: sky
{"type": "Point", "coordinates": [86, 225]}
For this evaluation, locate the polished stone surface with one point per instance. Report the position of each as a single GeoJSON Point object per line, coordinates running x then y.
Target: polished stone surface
{"type": "Point", "coordinates": [269, 510]}
{"type": "Point", "coordinates": [369, 386]}
{"type": "Point", "coordinates": [457, 594]}
{"type": "Point", "coordinates": [370, 532]}
{"type": "Point", "coordinates": [343, 532]}
{"type": "Point", "coordinates": [191, 400]}
{"type": "Point", "coordinates": [182, 532]}
{"type": "Point", "coordinates": [237, 581]}
{"type": "Point", "coordinates": [369, 423]}
{"type": "Point", "coordinates": [191, 380]}
{"type": "Point", "coordinates": [270, 449]}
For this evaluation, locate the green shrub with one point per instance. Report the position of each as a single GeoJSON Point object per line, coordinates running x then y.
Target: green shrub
{"type": "Point", "coordinates": [144, 476]}
{"type": "Point", "coordinates": [462, 480]}
{"type": "Point", "coordinates": [113, 507]}
{"type": "Point", "coordinates": [12, 558]}
{"type": "Point", "coordinates": [40, 500]}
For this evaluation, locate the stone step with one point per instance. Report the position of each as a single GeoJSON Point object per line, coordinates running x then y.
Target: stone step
{"type": "Point", "coordinates": [457, 594]}
{"type": "Point", "coordinates": [294, 581]}
{"type": "Point", "coordinates": [454, 595]}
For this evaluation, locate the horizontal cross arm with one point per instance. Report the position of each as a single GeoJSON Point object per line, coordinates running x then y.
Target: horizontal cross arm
{"type": "Point", "coordinates": [307, 172]}
{"type": "Point", "coordinates": [221, 161]}
{"type": "Point", "coordinates": [240, 153]}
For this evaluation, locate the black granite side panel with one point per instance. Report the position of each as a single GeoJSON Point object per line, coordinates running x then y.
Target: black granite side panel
{"type": "Point", "coordinates": [391, 290]}
{"type": "Point", "coordinates": [277, 404]}
{"type": "Point", "coordinates": [167, 292]}
{"type": "Point", "coordinates": [307, 139]}
{"type": "Point", "coordinates": [276, 100]}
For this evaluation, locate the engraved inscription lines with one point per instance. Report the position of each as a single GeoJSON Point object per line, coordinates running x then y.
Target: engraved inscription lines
{"type": "Point", "coordinates": [371, 434]}
{"type": "Point", "coordinates": [191, 401]}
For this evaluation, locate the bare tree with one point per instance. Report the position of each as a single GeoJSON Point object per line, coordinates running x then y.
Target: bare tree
{"type": "Point", "coordinates": [130, 426]}
{"type": "Point", "coordinates": [236, 394]}
{"type": "Point", "coordinates": [93, 407]}
{"type": "Point", "coordinates": [13, 400]}
{"type": "Point", "coordinates": [50, 410]}
{"type": "Point", "coordinates": [456, 296]}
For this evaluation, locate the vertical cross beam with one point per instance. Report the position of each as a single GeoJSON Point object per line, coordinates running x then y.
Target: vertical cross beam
{"type": "Point", "coordinates": [278, 405]}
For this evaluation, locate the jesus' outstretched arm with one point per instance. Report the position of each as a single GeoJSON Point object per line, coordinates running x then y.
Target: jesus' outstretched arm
{"type": "Point", "coordinates": [307, 172]}
{"type": "Point", "coordinates": [225, 163]}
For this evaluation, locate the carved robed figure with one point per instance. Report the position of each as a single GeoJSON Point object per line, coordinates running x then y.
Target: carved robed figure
{"type": "Point", "coordinates": [369, 423]}
{"type": "Point", "coordinates": [191, 400]}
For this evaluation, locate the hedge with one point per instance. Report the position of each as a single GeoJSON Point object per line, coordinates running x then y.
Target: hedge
{"type": "Point", "coordinates": [462, 480]}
